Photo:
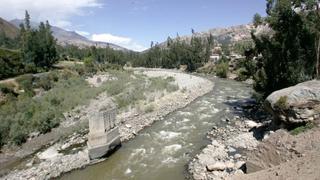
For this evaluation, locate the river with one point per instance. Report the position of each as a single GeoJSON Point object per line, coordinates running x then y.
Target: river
{"type": "Point", "coordinates": [163, 150]}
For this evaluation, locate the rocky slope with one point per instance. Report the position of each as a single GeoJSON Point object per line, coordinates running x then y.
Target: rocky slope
{"type": "Point", "coordinates": [65, 37]}
{"type": "Point", "coordinates": [9, 29]}
{"type": "Point", "coordinates": [227, 35]}
{"type": "Point", "coordinates": [295, 154]}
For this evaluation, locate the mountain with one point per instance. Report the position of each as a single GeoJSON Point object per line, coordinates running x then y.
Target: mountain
{"type": "Point", "coordinates": [9, 29]}
{"type": "Point", "coordinates": [230, 34]}
{"type": "Point", "coordinates": [225, 36]}
{"type": "Point", "coordinates": [65, 37]}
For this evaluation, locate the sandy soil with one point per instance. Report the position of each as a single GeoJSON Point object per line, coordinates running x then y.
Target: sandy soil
{"type": "Point", "coordinates": [284, 156]}
{"type": "Point", "coordinates": [307, 167]}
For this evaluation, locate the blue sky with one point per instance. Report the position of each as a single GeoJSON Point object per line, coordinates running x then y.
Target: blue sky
{"type": "Point", "coordinates": [135, 23]}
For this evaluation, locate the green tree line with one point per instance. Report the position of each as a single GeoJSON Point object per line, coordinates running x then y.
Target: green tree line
{"type": "Point", "coordinates": [291, 53]}
{"type": "Point", "coordinates": [194, 53]}
{"type": "Point", "coordinates": [36, 50]}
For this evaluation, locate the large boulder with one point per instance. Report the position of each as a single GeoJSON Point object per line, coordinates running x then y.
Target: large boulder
{"type": "Point", "coordinates": [296, 104]}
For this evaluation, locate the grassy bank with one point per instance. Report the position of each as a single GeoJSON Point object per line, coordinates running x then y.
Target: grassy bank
{"type": "Point", "coordinates": [61, 91]}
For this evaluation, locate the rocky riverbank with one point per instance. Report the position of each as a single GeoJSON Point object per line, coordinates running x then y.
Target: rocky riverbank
{"type": "Point", "coordinates": [250, 150]}
{"type": "Point", "coordinates": [226, 154]}
{"type": "Point", "coordinates": [73, 154]}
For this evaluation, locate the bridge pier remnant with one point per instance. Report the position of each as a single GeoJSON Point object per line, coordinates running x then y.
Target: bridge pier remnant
{"type": "Point", "coordinates": [103, 135]}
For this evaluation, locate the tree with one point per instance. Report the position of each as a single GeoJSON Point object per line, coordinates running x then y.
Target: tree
{"type": "Point", "coordinates": [288, 56]}
{"type": "Point", "coordinates": [26, 44]}
{"type": "Point", "coordinates": [257, 20]}
{"type": "Point", "coordinates": [38, 47]}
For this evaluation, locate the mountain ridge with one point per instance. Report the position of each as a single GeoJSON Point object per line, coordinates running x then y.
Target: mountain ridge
{"type": "Point", "coordinates": [8, 28]}
{"type": "Point", "coordinates": [222, 35]}
{"type": "Point", "coordinates": [65, 37]}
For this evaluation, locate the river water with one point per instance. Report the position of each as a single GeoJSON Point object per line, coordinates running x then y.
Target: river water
{"type": "Point", "coordinates": [163, 150]}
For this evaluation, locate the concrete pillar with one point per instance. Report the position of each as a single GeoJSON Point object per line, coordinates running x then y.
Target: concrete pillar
{"type": "Point", "coordinates": [103, 134]}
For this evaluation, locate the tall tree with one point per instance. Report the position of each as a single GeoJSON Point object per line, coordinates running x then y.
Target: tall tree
{"type": "Point", "coordinates": [288, 55]}
{"type": "Point", "coordinates": [257, 20]}
{"type": "Point", "coordinates": [38, 47]}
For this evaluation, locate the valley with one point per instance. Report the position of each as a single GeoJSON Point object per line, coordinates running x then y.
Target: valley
{"type": "Point", "coordinates": [96, 90]}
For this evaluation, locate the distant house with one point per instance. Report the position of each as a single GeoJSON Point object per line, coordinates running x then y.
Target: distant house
{"type": "Point", "coordinates": [215, 58]}
{"type": "Point", "coordinates": [236, 56]}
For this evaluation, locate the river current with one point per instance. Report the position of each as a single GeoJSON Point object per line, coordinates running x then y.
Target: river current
{"type": "Point", "coordinates": [163, 150]}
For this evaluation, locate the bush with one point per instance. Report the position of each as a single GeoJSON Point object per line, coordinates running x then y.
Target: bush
{"type": "Point", "coordinates": [222, 69]}
{"type": "Point", "coordinates": [158, 84]}
{"type": "Point", "coordinates": [302, 129]}
{"type": "Point", "coordinates": [149, 109]}
{"type": "Point", "coordinates": [242, 74]}
{"type": "Point", "coordinates": [90, 66]}
{"type": "Point", "coordinates": [7, 89]}
{"type": "Point", "coordinates": [10, 63]}
{"type": "Point", "coordinates": [18, 134]}
{"type": "Point", "coordinates": [28, 114]}
{"type": "Point", "coordinates": [132, 96]}
{"type": "Point", "coordinates": [108, 66]}
{"type": "Point", "coordinates": [282, 103]}
{"type": "Point", "coordinates": [26, 83]}
{"type": "Point", "coordinates": [80, 69]}
{"type": "Point", "coordinates": [47, 119]}
{"type": "Point", "coordinates": [45, 82]}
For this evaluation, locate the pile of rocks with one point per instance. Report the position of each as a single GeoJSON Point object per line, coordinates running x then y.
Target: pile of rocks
{"type": "Point", "coordinates": [51, 163]}
{"type": "Point", "coordinates": [224, 156]}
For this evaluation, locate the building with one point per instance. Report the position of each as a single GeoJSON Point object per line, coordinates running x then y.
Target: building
{"type": "Point", "coordinates": [215, 58]}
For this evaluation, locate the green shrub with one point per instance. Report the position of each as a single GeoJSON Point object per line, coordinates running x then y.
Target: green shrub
{"type": "Point", "coordinates": [80, 69]}
{"type": "Point", "coordinates": [47, 119]}
{"type": "Point", "coordinates": [10, 63]}
{"type": "Point", "coordinates": [108, 66]}
{"type": "Point", "coordinates": [26, 83]}
{"type": "Point", "coordinates": [222, 69]}
{"type": "Point", "coordinates": [7, 89]}
{"type": "Point", "coordinates": [149, 109]}
{"type": "Point", "coordinates": [89, 64]}
{"type": "Point", "coordinates": [242, 74]}
{"type": "Point", "coordinates": [158, 84]}
{"type": "Point", "coordinates": [132, 96]}
{"type": "Point", "coordinates": [115, 87]}
{"type": "Point", "coordinates": [282, 103]}
{"type": "Point", "coordinates": [18, 134]}
{"type": "Point", "coordinates": [45, 82]}
{"type": "Point", "coordinates": [302, 129]}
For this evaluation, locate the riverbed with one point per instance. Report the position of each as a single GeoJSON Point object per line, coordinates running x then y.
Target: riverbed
{"type": "Point", "coordinates": [163, 150]}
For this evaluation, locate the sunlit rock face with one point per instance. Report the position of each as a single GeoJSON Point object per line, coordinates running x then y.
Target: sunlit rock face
{"type": "Point", "coordinates": [296, 104]}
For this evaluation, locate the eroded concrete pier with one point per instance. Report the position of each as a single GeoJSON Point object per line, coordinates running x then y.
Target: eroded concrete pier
{"type": "Point", "coordinates": [103, 133]}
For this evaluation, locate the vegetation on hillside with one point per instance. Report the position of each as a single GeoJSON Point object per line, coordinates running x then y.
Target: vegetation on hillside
{"type": "Point", "coordinates": [291, 54]}
{"type": "Point", "coordinates": [178, 52]}
{"type": "Point", "coordinates": [63, 90]}
{"type": "Point", "coordinates": [36, 50]}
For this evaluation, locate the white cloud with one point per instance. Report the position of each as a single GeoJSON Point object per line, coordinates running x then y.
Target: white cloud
{"type": "Point", "coordinates": [83, 33]}
{"type": "Point", "coordinates": [118, 40]}
{"type": "Point", "coordinates": [56, 11]}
